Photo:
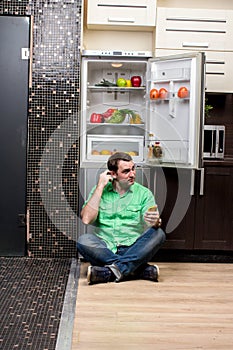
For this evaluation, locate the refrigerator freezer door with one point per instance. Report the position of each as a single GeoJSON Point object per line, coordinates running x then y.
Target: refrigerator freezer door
{"type": "Point", "coordinates": [175, 111]}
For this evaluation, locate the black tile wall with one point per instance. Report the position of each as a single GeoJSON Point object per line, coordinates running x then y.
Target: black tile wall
{"type": "Point", "coordinates": [52, 171]}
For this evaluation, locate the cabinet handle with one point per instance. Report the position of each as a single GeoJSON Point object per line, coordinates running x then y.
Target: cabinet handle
{"type": "Point", "coordinates": [214, 62]}
{"type": "Point", "coordinates": [192, 182]}
{"type": "Point", "coordinates": [116, 19]}
{"type": "Point", "coordinates": [215, 73]}
{"type": "Point", "coordinates": [202, 182]}
{"type": "Point", "coordinates": [189, 19]}
{"type": "Point", "coordinates": [194, 44]}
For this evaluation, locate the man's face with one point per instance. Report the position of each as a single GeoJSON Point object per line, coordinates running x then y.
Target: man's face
{"type": "Point", "coordinates": [126, 173]}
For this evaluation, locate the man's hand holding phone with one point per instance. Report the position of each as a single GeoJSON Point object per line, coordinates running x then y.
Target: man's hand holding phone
{"type": "Point", "coordinates": [104, 178]}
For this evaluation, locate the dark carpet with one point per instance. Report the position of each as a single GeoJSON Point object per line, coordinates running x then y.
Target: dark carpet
{"type": "Point", "coordinates": [31, 302]}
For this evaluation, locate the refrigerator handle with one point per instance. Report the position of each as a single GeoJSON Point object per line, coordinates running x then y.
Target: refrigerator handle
{"type": "Point", "coordinates": [192, 182]}
{"type": "Point", "coordinates": [201, 192]}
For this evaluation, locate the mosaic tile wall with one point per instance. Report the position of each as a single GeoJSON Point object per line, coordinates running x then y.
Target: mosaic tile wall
{"type": "Point", "coordinates": [52, 187]}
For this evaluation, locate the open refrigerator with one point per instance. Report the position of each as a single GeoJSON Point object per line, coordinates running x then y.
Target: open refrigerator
{"type": "Point", "coordinates": [159, 123]}
{"type": "Point", "coordinates": [142, 120]}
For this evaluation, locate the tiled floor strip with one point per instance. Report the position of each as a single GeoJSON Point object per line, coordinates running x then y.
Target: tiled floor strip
{"type": "Point", "coordinates": [32, 292]}
{"type": "Point", "coordinates": [64, 338]}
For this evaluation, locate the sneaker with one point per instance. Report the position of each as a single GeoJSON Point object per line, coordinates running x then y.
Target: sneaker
{"type": "Point", "coordinates": [151, 273]}
{"type": "Point", "coordinates": [98, 274]}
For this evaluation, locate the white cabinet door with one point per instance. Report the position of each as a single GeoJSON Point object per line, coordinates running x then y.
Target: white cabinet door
{"type": "Point", "coordinates": [181, 30]}
{"type": "Point", "coordinates": [194, 29]}
{"type": "Point", "coordinates": [219, 71]}
{"type": "Point", "coordinates": [117, 14]}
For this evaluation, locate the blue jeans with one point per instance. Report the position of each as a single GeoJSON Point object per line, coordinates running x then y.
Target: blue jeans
{"type": "Point", "coordinates": [127, 258]}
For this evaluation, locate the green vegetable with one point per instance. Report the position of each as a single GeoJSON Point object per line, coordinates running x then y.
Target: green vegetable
{"type": "Point", "coordinates": [130, 112]}
{"type": "Point", "coordinates": [116, 118]}
{"type": "Point", "coordinates": [119, 116]}
{"type": "Point", "coordinates": [105, 82]}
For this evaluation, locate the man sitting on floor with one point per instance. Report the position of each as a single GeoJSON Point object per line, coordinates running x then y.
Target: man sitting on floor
{"type": "Point", "coordinates": [127, 226]}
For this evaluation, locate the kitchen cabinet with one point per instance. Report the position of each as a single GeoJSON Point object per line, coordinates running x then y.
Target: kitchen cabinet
{"type": "Point", "coordinates": [219, 72]}
{"type": "Point", "coordinates": [214, 210]}
{"type": "Point", "coordinates": [209, 31]}
{"type": "Point", "coordinates": [117, 14]}
{"type": "Point", "coordinates": [208, 222]}
{"type": "Point", "coordinates": [172, 189]}
{"type": "Point", "coordinates": [194, 29]}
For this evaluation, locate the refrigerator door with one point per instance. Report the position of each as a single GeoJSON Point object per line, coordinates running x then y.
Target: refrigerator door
{"type": "Point", "coordinates": [175, 110]}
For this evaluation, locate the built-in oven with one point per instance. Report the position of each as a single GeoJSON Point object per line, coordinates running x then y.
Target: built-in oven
{"type": "Point", "coordinates": [214, 141]}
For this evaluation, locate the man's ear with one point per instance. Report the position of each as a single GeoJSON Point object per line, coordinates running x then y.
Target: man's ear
{"type": "Point", "coordinates": [113, 174]}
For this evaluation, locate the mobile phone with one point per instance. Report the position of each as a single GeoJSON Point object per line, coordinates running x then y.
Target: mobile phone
{"type": "Point", "coordinates": [108, 173]}
{"type": "Point", "coordinates": [154, 208]}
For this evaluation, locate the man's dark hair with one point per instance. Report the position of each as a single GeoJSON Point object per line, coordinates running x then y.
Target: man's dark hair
{"type": "Point", "coordinates": [113, 160]}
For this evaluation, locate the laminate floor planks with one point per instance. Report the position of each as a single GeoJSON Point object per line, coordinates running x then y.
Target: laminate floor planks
{"type": "Point", "coordinates": [190, 308]}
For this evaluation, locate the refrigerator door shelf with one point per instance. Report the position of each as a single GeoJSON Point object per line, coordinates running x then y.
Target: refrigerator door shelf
{"type": "Point", "coordinates": [100, 147]}
{"type": "Point", "coordinates": [174, 74]}
{"type": "Point", "coordinates": [172, 152]}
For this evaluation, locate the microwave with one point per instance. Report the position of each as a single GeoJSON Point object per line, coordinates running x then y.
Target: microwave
{"type": "Point", "coordinates": [214, 141]}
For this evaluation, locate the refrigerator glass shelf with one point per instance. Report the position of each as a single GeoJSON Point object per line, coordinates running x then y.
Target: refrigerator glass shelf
{"type": "Point", "coordinates": [170, 99]}
{"type": "Point", "coordinates": [115, 88]}
{"type": "Point", "coordinates": [114, 124]}
{"type": "Point", "coordinates": [158, 81]}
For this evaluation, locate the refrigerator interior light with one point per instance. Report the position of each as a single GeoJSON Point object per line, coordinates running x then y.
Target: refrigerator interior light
{"type": "Point", "coordinates": [116, 65]}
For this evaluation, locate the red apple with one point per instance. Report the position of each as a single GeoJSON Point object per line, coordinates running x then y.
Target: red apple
{"type": "Point", "coordinates": [136, 81]}
{"type": "Point", "coordinates": [96, 118]}
{"type": "Point", "coordinates": [154, 94]}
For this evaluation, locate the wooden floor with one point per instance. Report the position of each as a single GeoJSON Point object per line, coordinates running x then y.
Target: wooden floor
{"type": "Point", "coordinates": [190, 308]}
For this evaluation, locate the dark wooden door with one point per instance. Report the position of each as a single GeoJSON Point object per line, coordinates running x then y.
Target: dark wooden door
{"type": "Point", "coordinates": [214, 210]}
{"type": "Point", "coordinates": [14, 73]}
